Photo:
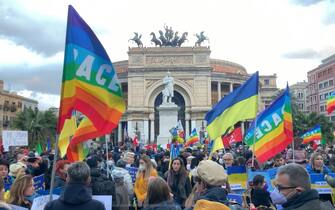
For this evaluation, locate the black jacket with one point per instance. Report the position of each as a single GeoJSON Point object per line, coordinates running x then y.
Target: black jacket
{"type": "Point", "coordinates": [166, 205]}
{"type": "Point", "coordinates": [180, 186]}
{"type": "Point", "coordinates": [260, 197]}
{"type": "Point", "coordinates": [75, 197]}
{"type": "Point", "coordinates": [216, 194]}
{"type": "Point", "coordinates": [308, 200]}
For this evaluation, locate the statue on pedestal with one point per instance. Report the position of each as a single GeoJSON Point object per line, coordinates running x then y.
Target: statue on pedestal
{"type": "Point", "coordinates": [168, 90]}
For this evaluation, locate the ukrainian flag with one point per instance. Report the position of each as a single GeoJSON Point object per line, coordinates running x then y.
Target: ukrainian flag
{"type": "Point", "coordinates": [241, 104]}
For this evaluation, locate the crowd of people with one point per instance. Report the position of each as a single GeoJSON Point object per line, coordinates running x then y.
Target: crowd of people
{"type": "Point", "coordinates": [195, 179]}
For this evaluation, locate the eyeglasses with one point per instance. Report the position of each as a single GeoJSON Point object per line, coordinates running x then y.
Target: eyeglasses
{"type": "Point", "coordinates": [279, 187]}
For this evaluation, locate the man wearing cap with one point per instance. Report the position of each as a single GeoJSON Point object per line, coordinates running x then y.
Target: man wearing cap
{"type": "Point", "coordinates": [210, 177]}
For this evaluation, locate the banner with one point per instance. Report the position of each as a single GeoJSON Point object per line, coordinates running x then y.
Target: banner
{"type": "Point", "coordinates": [319, 183]}
{"type": "Point", "coordinates": [14, 138]}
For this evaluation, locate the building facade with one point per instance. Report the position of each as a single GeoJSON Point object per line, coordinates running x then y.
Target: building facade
{"type": "Point", "coordinates": [199, 83]}
{"type": "Point", "coordinates": [320, 86]}
{"type": "Point", "coordinates": [10, 105]}
{"type": "Point", "coordinates": [268, 90]}
{"type": "Point", "coordinates": [300, 94]}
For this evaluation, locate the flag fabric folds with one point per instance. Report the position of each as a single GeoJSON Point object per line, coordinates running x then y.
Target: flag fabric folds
{"type": "Point", "coordinates": [67, 132]}
{"type": "Point", "coordinates": [331, 103]}
{"type": "Point", "coordinates": [241, 104]}
{"type": "Point", "coordinates": [194, 138]}
{"type": "Point", "coordinates": [313, 134]}
{"type": "Point", "coordinates": [48, 144]}
{"type": "Point", "coordinates": [39, 148]}
{"type": "Point", "coordinates": [90, 84]}
{"type": "Point", "coordinates": [234, 136]}
{"type": "Point", "coordinates": [217, 144]}
{"type": "Point", "coordinates": [274, 130]}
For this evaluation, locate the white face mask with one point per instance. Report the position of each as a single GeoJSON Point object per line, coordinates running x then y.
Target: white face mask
{"type": "Point", "coordinates": [221, 161]}
{"type": "Point", "coordinates": [110, 162]}
{"type": "Point", "coordinates": [277, 197]}
{"type": "Point", "coordinates": [188, 167]}
{"type": "Point", "coordinates": [142, 167]}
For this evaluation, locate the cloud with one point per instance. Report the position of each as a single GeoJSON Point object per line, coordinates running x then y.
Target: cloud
{"type": "Point", "coordinates": [310, 53]}
{"type": "Point", "coordinates": [306, 3]}
{"type": "Point", "coordinates": [42, 35]}
{"type": "Point", "coordinates": [44, 79]}
{"type": "Point", "coordinates": [45, 101]}
{"type": "Point", "coordinates": [329, 17]}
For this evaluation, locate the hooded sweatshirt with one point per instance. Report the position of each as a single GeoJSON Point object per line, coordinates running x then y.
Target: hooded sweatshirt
{"type": "Point", "coordinates": [76, 196]}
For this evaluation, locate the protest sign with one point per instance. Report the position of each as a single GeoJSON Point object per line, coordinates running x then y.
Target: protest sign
{"type": "Point", "coordinates": [132, 171]}
{"type": "Point", "coordinates": [105, 199]}
{"type": "Point", "coordinates": [41, 201]}
{"type": "Point", "coordinates": [39, 183]}
{"type": "Point", "coordinates": [14, 207]}
{"type": "Point", "coordinates": [319, 183]}
{"type": "Point", "coordinates": [237, 177]}
{"type": "Point", "coordinates": [14, 138]}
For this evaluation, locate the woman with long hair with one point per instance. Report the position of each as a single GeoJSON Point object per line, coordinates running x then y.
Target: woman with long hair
{"type": "Point", "coordinates": [145, 170]}
{"type": "Point", "coordinates": [317, 165]}
{"type": "Point", "coordinates": [21, 191]}
{"type": "Point", "coordinates": [159, 196]}
{"type": "Point", "coordinates": [178, 181]}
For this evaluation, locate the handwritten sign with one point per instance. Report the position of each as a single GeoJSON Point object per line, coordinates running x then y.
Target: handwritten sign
{"type": "Point", "coordinates": [40, 202]}
{"type": "Point", "coordinates": [14, 138]}
{"type": "Point", "coordinates": [132, 171]}
{"type": "Point", "coordinates": [39, 183]}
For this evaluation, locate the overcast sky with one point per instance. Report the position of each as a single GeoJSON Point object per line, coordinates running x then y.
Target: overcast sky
{"type": "Point", "coordinates": [286, 37]}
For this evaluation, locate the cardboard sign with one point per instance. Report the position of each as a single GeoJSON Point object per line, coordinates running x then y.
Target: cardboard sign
{"type": "Point", "coordinates": [14, 138]}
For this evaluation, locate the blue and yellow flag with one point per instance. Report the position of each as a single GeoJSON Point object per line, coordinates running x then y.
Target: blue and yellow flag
{"type": "Point", "coordinates": [241, 104]}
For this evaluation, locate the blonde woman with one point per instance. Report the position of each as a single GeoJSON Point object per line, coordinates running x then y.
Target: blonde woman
{"type": "Point", "coordinates": [145, 171]}
{"type": "Point", "coordinates": [21, 190]}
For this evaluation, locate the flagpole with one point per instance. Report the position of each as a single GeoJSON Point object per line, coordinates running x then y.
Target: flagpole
{"type": "Point", "coordinates": [293, 151]}
{"type": "Point", "coordinates": [253, 145]}
{"type": "Point", "coordinates": [106, 139]}
{"type": "Point", "coordinates": [52, 184]}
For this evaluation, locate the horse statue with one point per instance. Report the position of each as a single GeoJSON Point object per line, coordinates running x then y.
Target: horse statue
{"type": "Point", "coordinates": [162, 38]}
{"type": "Point", "coordinates": [201, 38]}
{"type": "Point", "coordinates": [137, 39]}
{"type": "Point", "coordinates": [174, 41]}
{"type": "Point", "coordinates": [182, 39]}
{"type": "Point", "coordinates": [155, 40]}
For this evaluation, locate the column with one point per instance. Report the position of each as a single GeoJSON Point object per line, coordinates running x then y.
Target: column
{"type": "Point", "coordinates": [152, 127]}
{"type": "Point", "coordinates": [130, 129]}
{"type": "Point", "coordinates": [219, 91]}
{"type": "Point", "coordinates": [119, 132]}
{"type": "Point", "coordinates": [187, 126]}
{"type": "Point", "coordinates": [231, 87]}
{"type": "Point", "coordinates": [146, 131]}
{"type": "Point", "coordinates": [193, 125]}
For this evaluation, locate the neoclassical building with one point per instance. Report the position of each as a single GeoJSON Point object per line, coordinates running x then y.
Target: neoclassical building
{"type": "Point", "coordinates": [200, 82]}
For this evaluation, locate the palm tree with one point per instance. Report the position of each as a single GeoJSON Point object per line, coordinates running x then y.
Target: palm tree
{"type": "Point", "coordinates": [40, 125]}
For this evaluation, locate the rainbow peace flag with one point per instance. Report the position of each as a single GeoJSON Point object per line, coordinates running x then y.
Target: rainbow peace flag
{"type": "Point", "coordinates": [90, 84]}
{"type": "Point", "coordinates": [313, 134]}
{"type": "Point", "coordinates": [274, 129]}
{"type": "Point", "coordinates": [331, 103]}
{"type": "Point", "coordinates": [194, 138]}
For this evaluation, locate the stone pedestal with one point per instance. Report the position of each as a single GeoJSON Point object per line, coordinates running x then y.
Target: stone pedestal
{"type": "Point", "coordinates": [168, 117]}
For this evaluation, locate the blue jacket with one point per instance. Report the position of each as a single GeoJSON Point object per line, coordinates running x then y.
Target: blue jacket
{"type": "Point", "coordinates": [310, 170]}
